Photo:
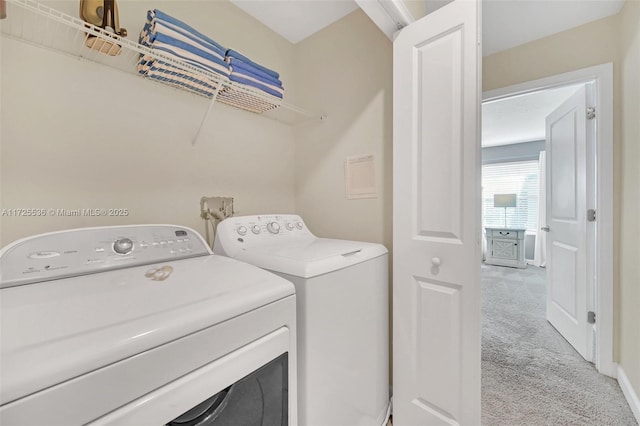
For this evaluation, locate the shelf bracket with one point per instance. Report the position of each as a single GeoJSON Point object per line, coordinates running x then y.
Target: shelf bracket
{"type": "Point", "coordinates": [206, 114]}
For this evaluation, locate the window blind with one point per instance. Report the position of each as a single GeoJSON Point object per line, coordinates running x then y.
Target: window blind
{"type": "Point", "coordinates": [521, 178]}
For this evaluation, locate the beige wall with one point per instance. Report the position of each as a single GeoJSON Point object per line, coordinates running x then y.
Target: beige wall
{"type": "Point", "coordinates": [418, 8]}
{"type": "Point", "coordinates": [629, 356]}
{"type": "Point", "coordinates": [345, 71]}
{"type": "Point", "coordinates": [78, 135]}
{"type": "Point", "coordinates": [584, 46]}
{"type": "Point", "coordinates": [591, 44]}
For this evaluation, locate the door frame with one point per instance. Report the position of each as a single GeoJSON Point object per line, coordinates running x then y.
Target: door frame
{"type": "Point", "coordinates": [600, 258]}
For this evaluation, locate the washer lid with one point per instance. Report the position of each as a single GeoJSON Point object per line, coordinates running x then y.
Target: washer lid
{"type": "Point", "coordinates": [311, 257]}
{"type": "Point", "coordinates": [54, 331]}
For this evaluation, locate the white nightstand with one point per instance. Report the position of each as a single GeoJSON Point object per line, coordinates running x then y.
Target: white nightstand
{"type": "Point", "coordinates": [505, 247]}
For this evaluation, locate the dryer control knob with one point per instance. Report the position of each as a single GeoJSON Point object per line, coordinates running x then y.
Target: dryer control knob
{"type": "Point", "coordinates": [242, 230]}
{"type": "Point", "coordinates": [255, 229]}
{"type": "Point", "coordinates": [299, 225]}
{"type": "Point", "coordinates": [290, 226]}
{"type": "Point", "coordinates": [273, 227]}
{"type": "Point", "coordinates": [123, 246]}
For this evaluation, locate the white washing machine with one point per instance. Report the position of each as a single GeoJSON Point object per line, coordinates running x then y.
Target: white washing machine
{"type": "Point", "coordinates": [142, 325]}
{"type": "Point", "coordinates": [342, 300]}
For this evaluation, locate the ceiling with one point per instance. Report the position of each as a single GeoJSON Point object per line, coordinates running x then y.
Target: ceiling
{"type": "Point", "coordinates": [506, 23]}
{"type": "Point", "coordinates": [520, 118]}
{"type": "Point", "coordinates": [510, 23]}
{"type": "Point", "coordinates": [295, 20]}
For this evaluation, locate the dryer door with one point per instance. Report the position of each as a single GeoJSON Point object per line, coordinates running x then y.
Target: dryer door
{"type": "Point", "coordinates": [257, 399]}
{"type": "Point", "coordinates": [249, 387]}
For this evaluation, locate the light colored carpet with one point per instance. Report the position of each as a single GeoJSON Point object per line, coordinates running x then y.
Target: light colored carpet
{"type": "Point", "coordinates": [530, 374]}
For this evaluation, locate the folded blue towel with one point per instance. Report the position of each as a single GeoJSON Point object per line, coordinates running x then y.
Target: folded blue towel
{"type": "Point", "coordinates": [243, 80]}
{"type": "Point", "coordinates": [206, 60]}
{"type": "Point", "coordinates": [205, 54]}
{"type": "Point", "coordinates": [171, 20]}
{"type": "Point", "coordinates": [243, 68]}
{"type": "Point", "coordinates": [258, 83]}
{"type": "Point", "coordinates": [276, 87]}
{"type": "Point", "coordinates": [157, 26]}
{"type": "Point", "coordinates": [235, 54]}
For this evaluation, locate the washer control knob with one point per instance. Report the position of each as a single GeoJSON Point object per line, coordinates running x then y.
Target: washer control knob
{"type": "Point", "coordinates": [299, 225]}
{"type": "Point", "coordinates": [273, 227]}
{"type": "Point", "coordinates": [242, 230]}
{"type": "Point", "coordinates": [123, 246]}
{"type": "Point", "coordinates": [255, 229]}
{"type": "Point", "coordinates": [290, 226]}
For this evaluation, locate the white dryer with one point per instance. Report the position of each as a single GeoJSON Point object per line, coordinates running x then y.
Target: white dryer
{"type": "Point", "coordinates": [142, 325]}
{"type": "Point", "coordinates": [343, 313]}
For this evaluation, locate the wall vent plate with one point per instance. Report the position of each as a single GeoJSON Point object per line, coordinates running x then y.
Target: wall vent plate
{"type": "Point", "coordinates": [360, 177]}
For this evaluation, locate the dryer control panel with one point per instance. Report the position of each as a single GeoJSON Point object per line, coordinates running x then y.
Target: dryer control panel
{"type": "Point", "coordinates": [89, 250]}
{"type": "Point", "coordinates": [242, 232]}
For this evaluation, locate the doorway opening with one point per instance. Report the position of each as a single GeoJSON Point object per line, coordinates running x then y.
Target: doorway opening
{"type": "Point", "coordinates": [514, 209]}
{"type": "Point", "coordinates": [601, 258]}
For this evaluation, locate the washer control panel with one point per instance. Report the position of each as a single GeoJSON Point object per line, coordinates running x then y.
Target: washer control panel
{"type": "Point", "coordinates": [240, 232]}
{"type": "Point", "coordinates": [270, 224]}
{"type": "Point", "coordinates": [84, 251]}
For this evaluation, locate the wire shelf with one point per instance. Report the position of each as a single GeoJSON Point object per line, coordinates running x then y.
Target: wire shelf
{"type": "Point", "coordinates": [34, 23]}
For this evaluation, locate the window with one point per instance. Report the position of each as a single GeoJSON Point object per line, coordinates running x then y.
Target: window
{"type": "Point", "coordinates": [521, 178]}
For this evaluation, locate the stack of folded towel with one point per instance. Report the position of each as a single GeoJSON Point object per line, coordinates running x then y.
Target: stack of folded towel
{"type": "Point", "coordinates": [172, 37]}
{"type": "Point", "coordinates": [245, 71]}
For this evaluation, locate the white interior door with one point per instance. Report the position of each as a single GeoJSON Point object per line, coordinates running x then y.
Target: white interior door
{"type": "Point", "coordinates": [566, 148]}
{"type": "Point", "coordinates": [436, 229]}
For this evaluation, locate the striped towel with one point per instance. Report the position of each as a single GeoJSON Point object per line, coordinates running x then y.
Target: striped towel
{"type": "Point", "coordinates": [157, 27]}
{"type": "Point", "coordinates": [179, 26]}
{"type": "Point", "coordinates": [241, 67]}
{"type": "Point", "coordinates": [258, 84]}
{"type": "Point", "coordinates": [237, 55]}
{"type": "Point", "coordinates": [175, 38]}
{"type": "Point", "coordinates": [187, 53]}
{"type": "Point", "coordinates": [176, 77]}
{"type": "Point", "coordinates": [247, 72]}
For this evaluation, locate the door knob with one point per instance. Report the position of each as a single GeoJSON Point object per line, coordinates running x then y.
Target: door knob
{"type": "Point", "coordinates": [545, 228]}
{"type": "Point", "coordinates": [435, 261]}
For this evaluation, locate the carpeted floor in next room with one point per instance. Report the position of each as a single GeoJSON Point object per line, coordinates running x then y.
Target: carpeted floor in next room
{"type": "Point", "coordinates": [530, 374]}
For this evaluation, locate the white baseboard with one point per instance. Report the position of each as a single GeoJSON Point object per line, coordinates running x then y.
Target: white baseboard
{"type": "Point", "coordinates": [607, 368]}
{"type": "Point", "coordinates": [629, 393]}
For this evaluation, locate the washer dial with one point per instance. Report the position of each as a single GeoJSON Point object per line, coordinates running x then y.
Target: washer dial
{"type": "Point", "coordinates": [273, 227]}
{"type": "Point", "coordinates": [123, 246]}
{"type": "Point", "coordinates": [255, 229]}
{"type": "Point", "coordinates": [242, 230]}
